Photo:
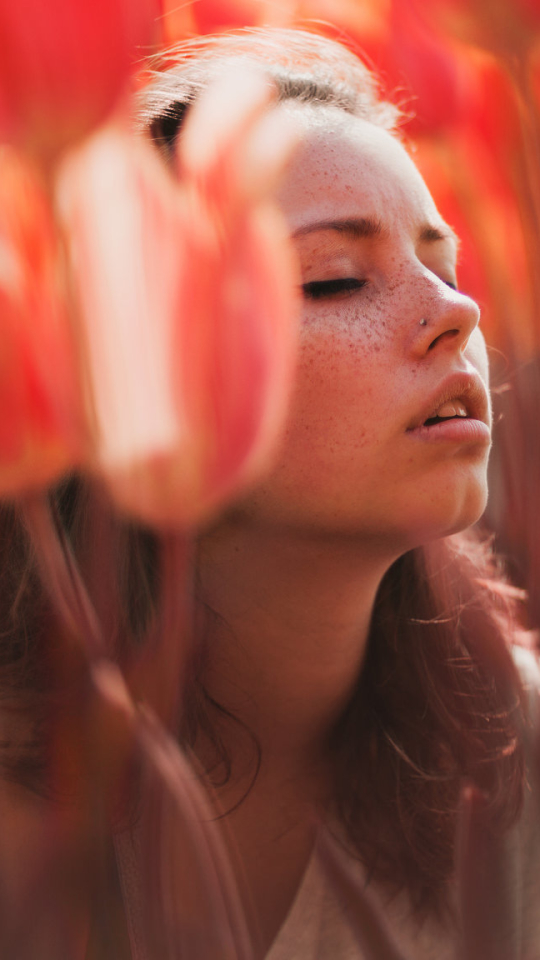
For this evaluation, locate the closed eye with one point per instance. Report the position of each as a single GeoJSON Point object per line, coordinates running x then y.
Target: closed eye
{"type": "Point", "coordinates": [320, 289]}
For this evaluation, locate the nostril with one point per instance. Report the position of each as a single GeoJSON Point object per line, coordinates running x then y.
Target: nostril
{"type": "Point", "coordinates": [447, 335]}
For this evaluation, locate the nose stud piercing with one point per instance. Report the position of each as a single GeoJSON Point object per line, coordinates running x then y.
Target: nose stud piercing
{"type": "Point", "coordinates": [423, 323]}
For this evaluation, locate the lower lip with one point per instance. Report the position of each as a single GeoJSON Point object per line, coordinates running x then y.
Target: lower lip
{"type": "Point", "coordinates": [454, 431]}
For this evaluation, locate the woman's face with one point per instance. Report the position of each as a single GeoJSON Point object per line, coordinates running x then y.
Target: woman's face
{"type": "Point", "coordinates": [376, 261]}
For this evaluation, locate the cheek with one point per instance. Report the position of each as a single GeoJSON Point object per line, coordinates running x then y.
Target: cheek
{"type": "Point", "coordinates": [338, 390]}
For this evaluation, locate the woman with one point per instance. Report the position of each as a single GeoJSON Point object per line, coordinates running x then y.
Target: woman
{"type": "Point", "coordinates": [355, 665]}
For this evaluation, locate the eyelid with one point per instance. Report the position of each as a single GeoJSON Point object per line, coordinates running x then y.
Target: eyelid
{"type": "Point", "coordinates": [320, 289]}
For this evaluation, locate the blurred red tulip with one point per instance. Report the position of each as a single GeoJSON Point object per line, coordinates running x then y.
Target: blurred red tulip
{"type": "Point", "coordinates": [40, 433]}
{"type": "Point", "coordinates": [507, 27]}
{"type": "Point", "coordinates": [63, 65]}
{"type": "Point", "coordinates": [213, 15]}
{"type": "Point", "coordinates": [190, 902]}
{"type": "Point", "coordinates": [350, 20]}
{"type": "Point", "coordinates": [125, 231]}
{"type": "Point", "coordinates": [178, 22]}
{"type": "Point", "coordinates": [418, 67]}
{"type": "Point", "coordinates": [188, 302]}
{"type": "Point", "coordinates": [422, 63]}
{"type": "Point", "coordinates": [531, 10]}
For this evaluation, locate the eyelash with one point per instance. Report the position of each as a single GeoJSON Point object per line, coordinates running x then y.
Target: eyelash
{"type": "Point", "coordinates": [320, 289]}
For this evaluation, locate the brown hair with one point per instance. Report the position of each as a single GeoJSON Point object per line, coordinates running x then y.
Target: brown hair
{"type": "Point", "coordinates": [304, 67]}
{"type": "Point", "coordinates": [438, 700]}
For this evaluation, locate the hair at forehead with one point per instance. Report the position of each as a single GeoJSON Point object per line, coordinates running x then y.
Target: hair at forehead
{"type": "Point", "coordinates": [305, 67]}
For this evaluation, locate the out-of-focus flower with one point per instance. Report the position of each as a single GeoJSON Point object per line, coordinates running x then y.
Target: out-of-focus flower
{"type": "Point", "coordinates": [507, 27]}
{"type": "Point", "coordinates": [40, 422]}
{"type": "Point", "coordinates": [423, 65]}
{"type": "Point", "coordinates": [417, 65]}
{"type": "Point", "coordinates": [63, 65]}
{"type": "Point", "coordinates": [191, 905]}
{"type": "Point", "coordinates": [357, 20]}
{"type": "Point", "coordinates": [213, 15]}
{"type": "Point", "coordinates": [178, 21]}
{"type": "Point", "coordinates": [188, 303]}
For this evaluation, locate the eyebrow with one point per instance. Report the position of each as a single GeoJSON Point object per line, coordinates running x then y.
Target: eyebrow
{"type": "Point", "coordinates": [360, 228]}
{"type": "Point", "coordinates": [431, 234]}
{"type": "Point", "coordinates": [367, 228]}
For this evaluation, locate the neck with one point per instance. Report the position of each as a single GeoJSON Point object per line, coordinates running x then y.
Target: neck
{"type": "Point", "coordinates": [288, 642]}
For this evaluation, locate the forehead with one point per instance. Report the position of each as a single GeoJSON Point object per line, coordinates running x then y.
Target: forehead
{"type": "Point", "coordinates": [346, 167]}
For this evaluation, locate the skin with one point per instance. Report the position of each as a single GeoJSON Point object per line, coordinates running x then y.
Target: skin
{"type": "Point", "coordinates": [292, 570]}
{"type": "Point", "coordinates": [367, 365]}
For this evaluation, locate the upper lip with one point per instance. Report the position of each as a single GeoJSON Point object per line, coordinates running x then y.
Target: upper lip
{"type": "Point", "coordinates": [468, 388]}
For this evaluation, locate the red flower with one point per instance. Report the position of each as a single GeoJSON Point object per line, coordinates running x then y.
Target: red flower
{"type": "Point", "coordinates": [213, 15]}
{"type": "Point", "coordinates": [188, 303]}
{"type": "Point", "coordinates": [64, 63]}
{"type": "Point", "coordinates": [508, 28]}
{"type": "Point", "coordinates": [423, 64]}
{"type": "Point", "coordinates": [40, 425]}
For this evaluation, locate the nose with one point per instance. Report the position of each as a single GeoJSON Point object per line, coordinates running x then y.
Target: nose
{"type": "Point", "coordinates": [444, 321]}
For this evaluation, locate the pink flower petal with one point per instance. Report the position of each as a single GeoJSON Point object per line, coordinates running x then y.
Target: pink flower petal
{"type": "Point", "coordinates": [188, 309]}
{"type": "Point", "coordinates": [40, 429]}
{"type": "Point", "coordinates": [64, 63]}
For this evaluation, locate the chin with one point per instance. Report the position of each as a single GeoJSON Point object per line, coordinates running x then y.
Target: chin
{"type": "Point", "coordinates": [454, 512]}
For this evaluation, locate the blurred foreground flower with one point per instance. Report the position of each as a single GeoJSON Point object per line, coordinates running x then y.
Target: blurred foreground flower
{"type": "Point", "coordinates": [41, 424]}
{"type": "Point", "coordinates": [508, 28]}
{"type": "Point", "coordinates": [63, 65]}
{"type": "Point", "coordinates": [423, 63]}
{"type": "Point", "coordinates": [187, 301]}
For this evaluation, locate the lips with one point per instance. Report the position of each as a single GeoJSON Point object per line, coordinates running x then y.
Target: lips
{"type": "Point", "coordinates": [463, 396]}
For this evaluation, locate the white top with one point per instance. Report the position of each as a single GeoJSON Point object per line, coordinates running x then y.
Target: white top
{"type": "Point", "coordinates": [318, 928]}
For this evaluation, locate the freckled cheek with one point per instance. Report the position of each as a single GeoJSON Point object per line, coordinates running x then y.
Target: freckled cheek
{"type": "Point", "coordinates": [338, 391]}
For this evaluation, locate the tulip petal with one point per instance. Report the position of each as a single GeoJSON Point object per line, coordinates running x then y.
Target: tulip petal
{"type": "Point", "coordinates": [63, 65]}
{"type": "Point", "coordinates": [188, 310]}
{"type": "Point", "coordinates": [191, 902]}
{"type": "Point", "coordinates": [40, 428]}
{"type": "Point", "coordinates": [123, 227]}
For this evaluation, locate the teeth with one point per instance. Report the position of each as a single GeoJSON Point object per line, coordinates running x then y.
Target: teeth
{"type": "Point", "coordinates": [452, 408]}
